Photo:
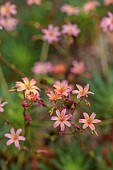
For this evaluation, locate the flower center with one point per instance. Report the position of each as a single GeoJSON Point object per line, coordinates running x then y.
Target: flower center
{"type": "Point", "coordinates": [51, 33]}
{"type": "Point", "coordinates": [89, 121]}
{"type": "Point", "coordinates": [15, 137]}
{"type": "Point", "coordinates": [61, 118]}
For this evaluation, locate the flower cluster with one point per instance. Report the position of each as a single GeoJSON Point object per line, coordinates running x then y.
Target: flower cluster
{"type": "Point", "coordinates": [62, 114]}
{"type": "Point", "coordinates": [31, 2]}
{"type": "Point", "coordinates": [70, 10]}
{"type": "Point", "coordinates": [7, 19]}
{"type": "Point", "coordinates": [108, 2]}
{"type": "Point", "coordinates": [52, 33]}
{"type": "Point", "coordinates": [107, 23]}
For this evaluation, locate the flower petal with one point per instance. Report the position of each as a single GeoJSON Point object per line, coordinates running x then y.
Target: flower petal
{"type": "Point", "coordinates": [93, 115]}
{"type": "Point", "coordinates": [62, 127]}
{"type": "Point", "coordinates": [25, 80]}
{"type": "Point", "coordinates": [96, 121]}
{"type": "Point", "coordinates": [85, 126]}
{"type": "Point", "coordinates": [12, 131]}
{"type": "Point", "coordinates": [92, 127]}
{"type": "Point", "coordinates": [86, 115]}
{"type": "Point", "coordinates": [67, 123]}
{"type": "Point", "coordinates": [54, 118]}
{"type": "Point", "coordinates": [8, 135]}
{"type": "Point", "coordinates": [86, 88]}
{"type": "Point", "coordinates": [79, 87]}
{"type": "Point", "coordinates": [21, 138]}
{"type": "Point", "coordinates": [75, 91]}
{"type": "Point", "coordinates": [58, 113]}
{"type": "Point", "coordinates": [63, 112]}
{"type": "Point", "coordinates": [32, 82]}
{"type": "Point", "coordinates": [82, 120]}
{"type": "Point", "coordinates": [56, 124]}
{"type": "Point", "coordinates": [16, 143]}
{"type": "Point", "coordinates": [9, 142]}
{"type": "Point", "coordinates": [18, 131]}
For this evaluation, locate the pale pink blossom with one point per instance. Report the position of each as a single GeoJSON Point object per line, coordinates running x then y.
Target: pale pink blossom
{"type": "Point", "coordinates": [108, 2]}
{"type": "Point", "coordinates": [8, 23]}
{"type": "Point", "coordinates": [61, 119]}
{"type": "Point", "coordinates": [2, 105]}
{"type": "Point", "coordinates": [89, 121]}
{"type": "Point", "coordinates": [53, 96]}
{"type": "Point", "coordinates": [70, 10]}
{"type": "Point", "coordinates": [90, 6]}
{"type": "Point", "coordinates": [78, 67]}
{"type": "Point", "coordinates": [8, 9]}
{"type": "Point", "coordinates": [36, 2]}
{"type": "Point", "coordinates": [28, 86]}
{"type": "Point", "coordinates": [71, 29]}
{"type": "Point", "coordinates": [107, 23]}
{"type": "Point", "coordinates": [14, 137]}
{"type": "Point", "coordinates": [62, 88]}
{"type": "Point", "coordinates": [82, 92]}
{"type": "Point", "coordinates": [51, 34]}
{"type": "Point", "coordinates": [42, 68]}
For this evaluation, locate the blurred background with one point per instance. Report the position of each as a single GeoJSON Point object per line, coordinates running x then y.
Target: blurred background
{"type": "Point", "coordinates": [24, 53]}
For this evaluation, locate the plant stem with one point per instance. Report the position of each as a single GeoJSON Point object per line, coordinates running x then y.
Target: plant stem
{"type": "Point", "coordinates": [11, 66]}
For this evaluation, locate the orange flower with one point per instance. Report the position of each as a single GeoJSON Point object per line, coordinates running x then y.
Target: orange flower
{"type": "Point", "coordinates": [27, 86]}
{"type": "Point", "coordinates": [53, 96]}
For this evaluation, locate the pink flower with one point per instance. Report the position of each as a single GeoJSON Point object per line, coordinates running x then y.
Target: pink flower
{"type": "Point", "coordinates": [78, 68]}
{"type": "Point", "coordinates": [42, 68]}
{"type": "Point", "coordinates": [62, 88]}
{"type": "Point", "coordinates": [8, 23]}
{"type": "Point", "coordinates": [2, 105]}
{"type": "Point", "coordinates": [27, 86]}
{"type": "Point", "coordinates": [7, 9]}
{"type": "Point", "coordinates": [70, 10]}
{"type": "Point", "coordinates": [36, 2]}
{"type": "Point", "coordinates": [90, 6]}
{"type": "Point", "coordinates": [53, 96]}
{"type": "Point", "coordinates": [89, 121]}
{"type": "Point", "coordinates": [107, 23]}
{"type": "Point", "coordinates": [71, 29]}
{"type": "Point", "coordinates": [108, 2]}
{"type": "Point", "coordinates": [14, 137]}
{"type": "Point", "coordinates": [51, 34]}
{"type": "Point", "coordinates": [61, 119]}
{"type": "Point", "coordinates": [82, 92]}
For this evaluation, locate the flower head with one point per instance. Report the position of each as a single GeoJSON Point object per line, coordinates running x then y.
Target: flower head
{"type": "Point", "coordinates": [108, 2]}
{"type": "Point", "coordinates": [82, 92]}
{"type": "Point", "coordinates": [14, 137]}
{"type": "Point", "coordinates": [36, 2]}
{"type": "Point", "coordinates": [28, 86]}
{"type": "Point", "coordinates": [61, 119]}
{"type": "Point", "coordinates": [107, 23]}
{"type": "Point", "coordinates": [71, 29]}
{"type": "Point", "coordinates": [78, 68]}
{"type": "Point", "coordinates": [8, 23]}
{"type": "Point", "coordinates": [7, 9]}
{"type": "Point", "coordinates": [89, 121]}
{"type": "Point", "coordinates": [51, 34]}
{"type": "Point", "coordinates": [90, 6]}
{"type": "Point", "coordinates": [2, 105]}
{"type": "Point", "coordinates": [62, 88]}
{"type": "Point", "coordinates": [70, 10]}
{"type": "Point", "coordinates": [53, 96]}
{"type": "Point", "coordinates": [42, 68]}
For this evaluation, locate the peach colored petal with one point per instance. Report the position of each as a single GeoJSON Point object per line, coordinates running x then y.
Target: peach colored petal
{"type": "Point", "coordinates": [32, 82]}
{"type": "Point", "coordinates": [63, 112]}
{"type": "Point", "coordinates": [75, 91]}
{"type": "Point", "coordinates": [86, 88]}
{"type": "Point", "coordinates": [79, 87]}
{"type": "Point", "coordinates": [25, 80]}
{"type": "Point", "coordinates": [96, 121]}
